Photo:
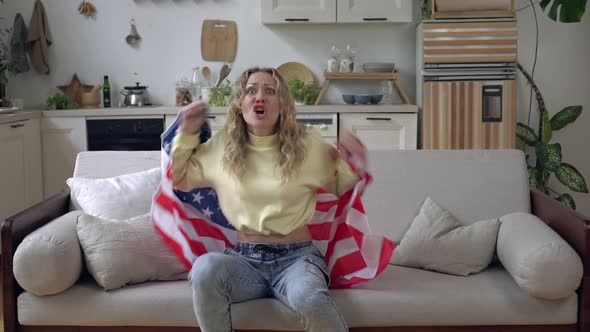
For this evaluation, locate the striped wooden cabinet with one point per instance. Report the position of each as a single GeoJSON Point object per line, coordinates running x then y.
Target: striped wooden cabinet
{"type": "Point", "coordinates": [469, 115]}
{"type": "Point", "coordinates": [469, 42]}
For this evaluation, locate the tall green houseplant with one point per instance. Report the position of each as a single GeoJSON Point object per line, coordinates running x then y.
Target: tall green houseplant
{"type": "Point", "coordinates": [548, 156]}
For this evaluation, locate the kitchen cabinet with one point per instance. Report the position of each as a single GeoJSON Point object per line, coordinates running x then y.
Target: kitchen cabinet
{"type": "Point", "coordinates": [63, 138]}
{"type": "Point", "coordinates": [363, 11]}
{"type": "Point", "coordinates": [382, 131]}
{"type": "Point", "coordinates": [297, 11]}
{"type": "Point", "coordinates": [20, 173]}
{"type": "Point", "coordinates": [335, 11]}
{"type": "Point", "coordinates": [216, 121]}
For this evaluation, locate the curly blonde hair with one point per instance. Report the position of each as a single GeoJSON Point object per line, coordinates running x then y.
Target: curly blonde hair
{"type": "Point", "coordinates": [290, 133]}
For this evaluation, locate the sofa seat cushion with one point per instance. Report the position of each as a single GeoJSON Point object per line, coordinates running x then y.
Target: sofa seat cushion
{"type": "Point", "coordinates": [400, 296]}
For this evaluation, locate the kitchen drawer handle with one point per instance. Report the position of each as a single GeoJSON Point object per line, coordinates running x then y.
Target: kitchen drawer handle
{"type": "Point", "coordinates": [374, 19]}
{"type": "Point", "coordinates": [18, 125]}
{"type": "Point", "coordinates": [211, 116]}
{"type": "Point", "coordinates": [380, 119]}
{"type": "Point", "coordinates": [297, 19]}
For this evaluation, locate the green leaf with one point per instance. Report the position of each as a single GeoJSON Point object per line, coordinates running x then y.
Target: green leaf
{"type": "Point", "coordinates": [565, 116]}
{"type": "Point", "coordinates": [570, 11]}
{"type": "Point", "coordinates": [569, 176]}
{"type": "Point", "coordinates": [526, 134]}
{"type": "Point", "coordinates": [567, 200]}
{"type": "Point", "coordinates": [534, 178]}
{"type": "Point", "coordinates": [549, 156]}
{"type": "Point", "coordinates": [546, 132]}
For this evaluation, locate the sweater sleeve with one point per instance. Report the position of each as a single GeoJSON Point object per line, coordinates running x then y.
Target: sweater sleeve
{"type": "Point", "coordinates": [187, 154]}
{"type": "Point", "coordinates": [338, 176]}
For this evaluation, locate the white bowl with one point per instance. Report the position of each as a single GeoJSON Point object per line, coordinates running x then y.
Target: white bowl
{"type": "Point", "coordinates": [378, 67]}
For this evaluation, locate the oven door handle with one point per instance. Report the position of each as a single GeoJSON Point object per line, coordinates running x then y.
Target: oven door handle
{"type": "Point", "coordinates": [378, 119]}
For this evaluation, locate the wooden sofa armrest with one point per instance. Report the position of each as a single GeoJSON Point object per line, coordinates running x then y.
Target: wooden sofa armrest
{"type": "Point", "coordinates": [575, 229]}
{"type": "Point", "coordinates": [13, 231]}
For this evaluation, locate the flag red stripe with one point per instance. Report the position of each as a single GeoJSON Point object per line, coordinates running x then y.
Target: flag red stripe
{"type": "Point", "coordinates": [174, 246]}
{"type": "Point", "coordinates": [320, 232]}
{"type": "Point", "coordinates": [348, 264]}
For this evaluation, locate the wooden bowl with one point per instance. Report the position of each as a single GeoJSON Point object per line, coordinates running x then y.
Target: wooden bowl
{"type": "Point", "coordinates": [90, 99]}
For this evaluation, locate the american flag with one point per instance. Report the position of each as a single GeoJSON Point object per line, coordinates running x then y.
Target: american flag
{"type": "Point", "coordinates": [191, 224]}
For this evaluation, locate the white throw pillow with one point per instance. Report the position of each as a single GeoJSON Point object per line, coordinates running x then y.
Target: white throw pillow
{"type": "Point", "coordinates": [120, 197]}
{"type": "Point", "coordinates": [49, 260]}
{"type": "Point", "coordinates": [438, 241]}
{"type": "Point", "coordinates": [539, 260]}
{"type": "Point", "coordinates": [120, 252]}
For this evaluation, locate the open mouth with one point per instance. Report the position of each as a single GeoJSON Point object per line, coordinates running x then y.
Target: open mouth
{"type": "Point", "coordinates": [259, 110]}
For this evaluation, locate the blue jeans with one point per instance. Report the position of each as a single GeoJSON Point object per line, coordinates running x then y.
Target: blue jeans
{"type": "Point", "coordinates": [294, 273]}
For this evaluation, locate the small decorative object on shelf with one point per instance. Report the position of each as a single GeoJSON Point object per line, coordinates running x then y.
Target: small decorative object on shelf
{"type": "Point", "coordinates": [334, 62]}
{"type": "Point", "coordinates": [86, 8]}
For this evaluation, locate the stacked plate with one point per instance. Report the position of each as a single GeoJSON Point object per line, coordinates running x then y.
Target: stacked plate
{"type": "Point", "coordinates": [379, 67]}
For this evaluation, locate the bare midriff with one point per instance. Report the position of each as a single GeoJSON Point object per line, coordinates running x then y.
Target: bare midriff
{"type": "Point", "coordinates": [299, 234]}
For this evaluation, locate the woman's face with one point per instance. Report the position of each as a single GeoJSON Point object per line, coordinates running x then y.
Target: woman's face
{"type": "Point", "coordinates": [260, 107]}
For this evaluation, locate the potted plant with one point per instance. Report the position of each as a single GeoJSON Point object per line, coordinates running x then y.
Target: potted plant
{"type": "Point", "coordinates": [303, 93]}
{"type": "Point", "coordinates": [60, 102]}
{"type": "Point", "coordinates": [548, 155]}
{"type": "Point", "coordinates": [219, 96]}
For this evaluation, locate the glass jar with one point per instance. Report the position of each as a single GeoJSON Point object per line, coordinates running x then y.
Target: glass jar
{"type": "Point", "coordinates": [183, 92]}
{"type": "Point", "coordinates": [387, 91]}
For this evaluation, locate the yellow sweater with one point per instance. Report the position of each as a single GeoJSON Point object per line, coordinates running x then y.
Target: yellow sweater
{"type": "Point", "coordinates": [259, 202]}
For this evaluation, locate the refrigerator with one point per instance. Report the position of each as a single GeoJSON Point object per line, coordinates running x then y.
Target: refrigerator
{"type": "Point", "coordinates": [466, 88]}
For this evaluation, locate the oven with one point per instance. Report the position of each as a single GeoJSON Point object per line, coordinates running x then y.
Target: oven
{"type": "Point", "coordinates": [124, 133]}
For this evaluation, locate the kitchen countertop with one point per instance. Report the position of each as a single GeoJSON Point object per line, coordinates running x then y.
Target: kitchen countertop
{"type": "Point", "coordinates": [171, 110]}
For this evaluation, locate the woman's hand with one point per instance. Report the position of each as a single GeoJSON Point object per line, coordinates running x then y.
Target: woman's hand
{"type": "Point", "coordinates": [353, 151]}
{"type": "Point", "coordinates": [193, 117]}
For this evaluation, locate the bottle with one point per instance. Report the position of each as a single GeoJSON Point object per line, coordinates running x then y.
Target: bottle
{"type": "Point", "coordinates": [106, 92]}
{"type": "Point", "coordinates": [196, 83]}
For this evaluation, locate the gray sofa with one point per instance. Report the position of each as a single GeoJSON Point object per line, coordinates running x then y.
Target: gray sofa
{"type": "Point", "coordinates": [472, 184]}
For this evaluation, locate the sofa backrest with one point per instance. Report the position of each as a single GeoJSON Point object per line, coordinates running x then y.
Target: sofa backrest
{"type": "Point", "coordinates": [106, 164]}
{"type": "Point", "coordinates": [471, 184]}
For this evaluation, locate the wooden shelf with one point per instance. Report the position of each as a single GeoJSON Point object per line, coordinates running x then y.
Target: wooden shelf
{"type": "Point", "coordinates": [387, 76]}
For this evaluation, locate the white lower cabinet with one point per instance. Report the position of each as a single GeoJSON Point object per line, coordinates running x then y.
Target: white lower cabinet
{"type": "Point", "coordinates": [382, 131]}
{"type": "Point", "coordinates": [63, 138]}
{"type": "Point", "coordinates": [20, 169]}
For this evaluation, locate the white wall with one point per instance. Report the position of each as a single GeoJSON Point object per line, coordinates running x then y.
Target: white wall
{"type": "Point", "coordinates": [563, 76]}
{"type": "Point", "coordinates": [171, 31]}
{"type": "Point", "coordinates": [171, 38]}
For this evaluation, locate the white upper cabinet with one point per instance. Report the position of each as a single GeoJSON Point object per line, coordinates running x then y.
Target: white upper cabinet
{"type": "Point", "coordinates": [298, 11]}
{"type": "Point", "coordinates": [363, 11]}
{"type": "Point", "coordinates": [335, 11]}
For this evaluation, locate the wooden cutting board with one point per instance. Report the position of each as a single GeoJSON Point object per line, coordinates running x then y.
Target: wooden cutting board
{"type": "Point", "coordinates": [219, 40]}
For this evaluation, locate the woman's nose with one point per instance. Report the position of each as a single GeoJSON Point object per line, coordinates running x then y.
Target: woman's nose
{"type": "Point", "coordinates": [259, 97]}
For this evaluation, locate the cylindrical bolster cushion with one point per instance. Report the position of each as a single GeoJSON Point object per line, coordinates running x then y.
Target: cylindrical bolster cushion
{"type": "Point", "coordinates": [537, 258]}
{"type": "Point", "coordinates": [49, 260]}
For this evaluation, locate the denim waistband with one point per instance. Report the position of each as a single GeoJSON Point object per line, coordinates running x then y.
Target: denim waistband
{"type": "Point", "coordinates": [281, 248]}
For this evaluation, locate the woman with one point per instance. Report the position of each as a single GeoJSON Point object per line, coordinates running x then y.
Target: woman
{"type": "Point", "coordinates": [266, 169]}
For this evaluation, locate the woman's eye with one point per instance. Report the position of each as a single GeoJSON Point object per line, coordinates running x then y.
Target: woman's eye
{"type": "Point", "coordinates": [251, 92]}
{"type": "Point", "coordinates": [270, 92]}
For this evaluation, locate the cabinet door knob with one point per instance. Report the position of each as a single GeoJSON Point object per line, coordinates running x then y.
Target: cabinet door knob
{"type": "Point", "coordinates": [374, 19]}
{"type": "Point", "coordinates": [297, 19]}
{"type": "Point", "coordinates": [210, 116]}
{"type": "Point", "coordinates": [17, 125]}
